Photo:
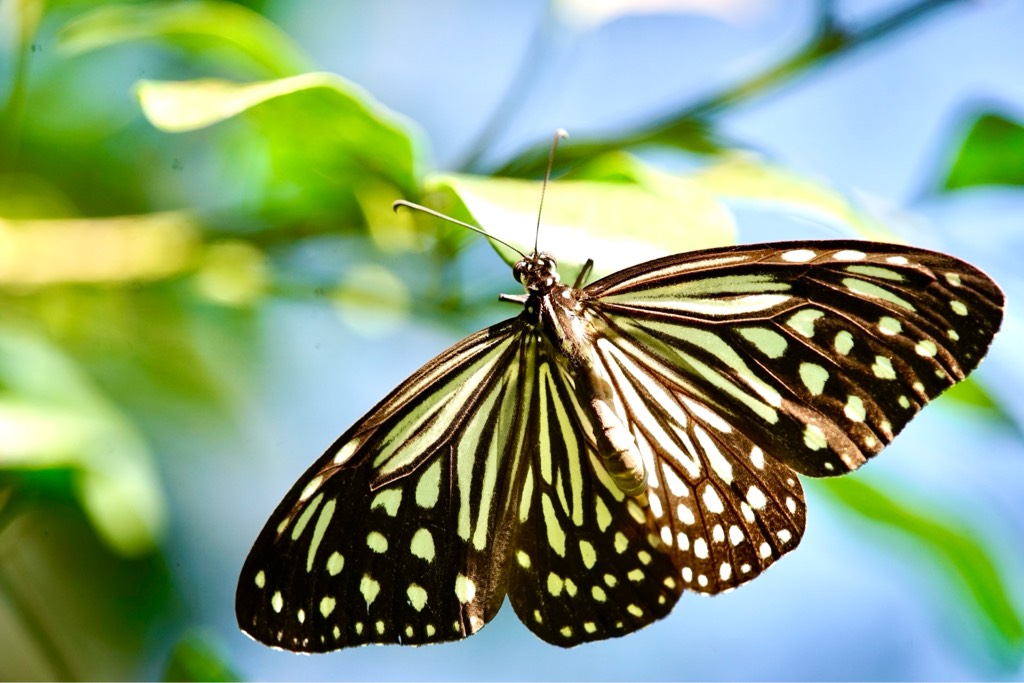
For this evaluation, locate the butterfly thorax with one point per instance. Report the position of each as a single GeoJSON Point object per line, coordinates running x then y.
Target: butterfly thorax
{"type": "Point", "coordinates": [559, 315]}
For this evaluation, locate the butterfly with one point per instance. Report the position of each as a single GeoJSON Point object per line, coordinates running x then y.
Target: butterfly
{"type": "Point", "coordinates": [614, 444]}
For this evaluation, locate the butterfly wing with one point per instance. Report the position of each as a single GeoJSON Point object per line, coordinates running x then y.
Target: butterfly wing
{"type": "Point", "coordinates": [818, 352]}
{"type": "Point", "coordinates": [473, 479]}
{"type": "Point", "coordinates": [391, 536]}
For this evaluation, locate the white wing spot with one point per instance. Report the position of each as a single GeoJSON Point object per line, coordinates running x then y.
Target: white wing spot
{"type": "Point", "coordinates": [588, 553]}
{"type": "Point", "coordinates": [687, 574]}
{"type": "Point", "coordinates": [785, 536]}
{"type": "Point", "coordinates": [635, 611]}
{"type": "Point", "coordinates": [849, 255]}
{"type": "Point", "coordinates": [959, 307]}
{"type": "Point", "coordinates": [798, 256]}
{"type": "Point", "coordinates": [301, 616]}
{"type": "Point", "coordinates": [765, 550]}
{"type": "Point", "coordinates": [843, 342]}
{"type": "Point", "coordinates": [566, 631]}
{"type": "Point", "coordinates": [389, 499]}
{"type": "Point", "coordinates": [926, 348]}
{"type": "Point", "coordinates": [883, 368]}
{"type": "Point", "coordinates": [379, 625]}
{"type": "Point", "coordinates": [335, 563]}
{"type": "Point", "coordinates": [428, 488]}
{"type": "Point", "coordinates": [748, 514]}
{"type": "Point", "coordinates": [369, 588]}
{"type": "Point", "coordinates": [685, 514]}
{"type": "Point", "coordinates": [589, 627]}
{"type": "Point", "coordinates": [803, 321]}
{"type": "Point", "coordinates": [897, 260]}
{"type": "Point", "coordinates": [346, 452]}
{"type": "Point", "coordinates": [736, 535]}
{"type": "Point", "coordinates": [854, 409]}
{"type": "Point", "coordinates": [610, 580]}
{"type": "Point", "coordinates": [745, 568]}
{"type": "Point", "coordinates": [621, 542]}
{"type": "Point", "coordinates": [465, 589]}
{"type": "Point", "coordinates": [757, 458]}
{"type": "Point", "coordinates": [904, 402]}
{"type": "Point", "coordinates": [555, 584]}
{"type": "Point", "coordinates": [277, 602]}
{"type": "Point", "coordinates": [889, 325]}
{"type": "Point", "coordinates": [702, 581]}
{"type": "Point", "coordinates": [376, 542]}
{"type": "Point", "coordinates": [635, 511]}
{"type": "Point", "coordinates": [656, 508]}
{"type": "Point", "coordinates": [814, 438]}
{"type": "Point", "coordinates": [814, 377]}
{"type": "Point", "coordinates": [683, 541]}
{"type": "Point", "coordinates": [725, 571]}
{"type": "Point", "coordinates": [644, 557]}
{"type": "Point", "coordinates": [756, 498]}
{"type": "Point", "coordinates": [712, 501]}
{"type": "Point", "coordinates": [523, 559]}
{"type": "Point", "coordinates": [790, 504]}
{"type": "Point", "coordinates": [422, 544]}
{"type": "Point", "coordinates": [718, 534]}
{"type": "Point", "coordinates": [700, 548]}
{"type": "Point", "coordinates": [953, 335]}
{"type": "Point", "coordinates": [953, 279]}
{"type": "Point", "coordinates": [431, 630]}
{"type": "Point", "coordinates": [666, 535]}
{"type": "Point", "coordinates": [635, 575]}
{"type": "Point", "coordinates": [261, 579]}
{"type": "Point", "coordinates": [327, 604]}
{"type": "Point", "coordinates": [311, 487]}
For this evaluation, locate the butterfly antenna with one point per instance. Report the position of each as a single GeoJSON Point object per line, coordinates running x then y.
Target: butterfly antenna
{"type": "Point", "coordinates": [560, 134]}
{"type": "Point", "coordinates": [456, 221]}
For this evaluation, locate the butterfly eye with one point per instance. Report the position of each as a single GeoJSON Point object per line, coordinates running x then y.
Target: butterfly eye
{"type": "Point", "coordinates": [519, 270]}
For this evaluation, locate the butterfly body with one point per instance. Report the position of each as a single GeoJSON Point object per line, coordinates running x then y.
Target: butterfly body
{"type": "Point", "coordinates": [613, 445]}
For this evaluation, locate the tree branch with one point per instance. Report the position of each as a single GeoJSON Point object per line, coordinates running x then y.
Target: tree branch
{"type": "Point", "coordinates": [691, 126]}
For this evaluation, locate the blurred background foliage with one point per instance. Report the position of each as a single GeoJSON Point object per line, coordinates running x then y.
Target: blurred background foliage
{"type": "Point", "coordinates": [202, 282]}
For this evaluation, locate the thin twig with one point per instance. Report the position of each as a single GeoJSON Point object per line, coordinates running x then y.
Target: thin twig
{"type": "Point", "coordinates": [690, 126]}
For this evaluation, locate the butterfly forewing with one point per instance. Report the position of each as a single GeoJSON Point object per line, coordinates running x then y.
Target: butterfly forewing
{"type": "Point", "coordinates": [820, 353]}
{"type": "Point", "coordinates": [482, 474]}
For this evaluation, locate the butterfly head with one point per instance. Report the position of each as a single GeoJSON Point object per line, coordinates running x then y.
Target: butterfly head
{"type": "Point", "coordinates": [537, 273]}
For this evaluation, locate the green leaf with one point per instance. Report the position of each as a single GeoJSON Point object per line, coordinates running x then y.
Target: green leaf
{"type": "Point", "coordinates": [322, 129]}
{"type": "Point", "coordinates": [45, 252]}
{"type": "Point", "coordinates": [196, 658]}
{"type": "Point", "coordinates": [615, 224]}
{"type": "Point", "coordinates": [990, 154]}
{"type": "Point", "coordinates": [746, 180]}
{"type": "Point", "coordinates": [53, 418]}
{"type": "Point", "coordinates": [968, 564]}
{"type": "Point", "coordinates": [215, 25]}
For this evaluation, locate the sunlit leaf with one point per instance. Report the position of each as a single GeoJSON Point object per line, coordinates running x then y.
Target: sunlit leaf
{"type": "Point", "coordinates": [615, 224]}
{"type": "Point", "coordinates": [971, 567]}
{"type": "Point", "coordinates": [750, 182]}
{"type": "Point", "coordinates": [990, 154]}
{"type": "Point", "coordinates": [347, 133]}
{"type": "Point", "coordinates": [221, 24]}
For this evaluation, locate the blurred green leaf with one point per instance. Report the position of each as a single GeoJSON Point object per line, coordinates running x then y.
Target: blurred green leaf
{"type": "Point", "coordinates": [53, 418]}
{"type": "Point", "coordinates": [990, 154]}
{"type": "Point", "coordinates": [327, 139]}
{"type": "Point", "coordinates": [44, 252]}
{"type": "Point", "coordinates": [616, 224]}
{"type": "Point", "coordinates": [747, 180]}
{"type": "Point", "coordinates": [216, 24]}
{"type": "Point", "coordinates": [970, 566]}
{"type": "Point", "coordinates": [196, 658]}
